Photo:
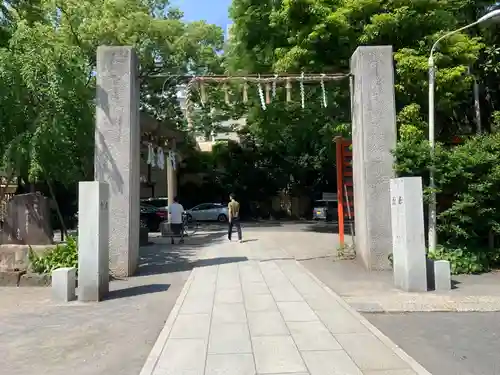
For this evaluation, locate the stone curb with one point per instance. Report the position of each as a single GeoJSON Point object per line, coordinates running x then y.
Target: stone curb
{"type": "Point", "coordinates": [414, 365]}
{"type": "Point", "coordinates": [156, 351]}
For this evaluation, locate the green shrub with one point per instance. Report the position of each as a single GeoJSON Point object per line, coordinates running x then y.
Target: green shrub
{"type": "Point", "coordinates": [467, 185]}
{"type": "Point", "coordinates": [64, 255]}
{"type": "Point", "coordinates": [466, 260]}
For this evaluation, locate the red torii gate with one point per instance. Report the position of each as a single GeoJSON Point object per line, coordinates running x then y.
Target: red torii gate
{"type": "Point", "coordinates": [345, 185]}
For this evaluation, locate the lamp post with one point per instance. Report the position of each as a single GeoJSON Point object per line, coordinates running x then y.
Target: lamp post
{"type": "Point", "coordinates": [432, 204]}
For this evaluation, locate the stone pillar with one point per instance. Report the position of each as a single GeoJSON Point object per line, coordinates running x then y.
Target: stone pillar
{"type": "Point", "coordinates": [407, 217]}
{"type": "Point", "coordinates": [171, 175]}
{"type": "Point", "coordinates": [93, 240]}
{"type": "Point", "coordinates": [373, 139]}
{"type": "Point", "coordinates": [117, 152]}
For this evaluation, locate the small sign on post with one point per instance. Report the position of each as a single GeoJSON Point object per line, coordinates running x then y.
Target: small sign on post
{"type": "Point", "coordinates": [407, 216]}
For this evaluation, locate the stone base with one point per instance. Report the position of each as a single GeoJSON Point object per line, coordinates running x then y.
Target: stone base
{"type": "Point", "coordinates": [143, 236]}
{"type": "Point", "coordinates": [10, 278]}
{"type": "Point", "coordinates": [442, 275]}
{"type": "Point", "coordinates": [165, 229]}
{"type": "Point", "coordinates": [35, 279]}
{"type": "Point", "coordinates": [64, 284]}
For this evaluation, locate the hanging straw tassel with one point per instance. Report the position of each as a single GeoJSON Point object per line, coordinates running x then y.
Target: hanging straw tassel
{"type": "Point", "coordinates": [203, 93]}
{"type": "Point", "coordinates": [226, 93]}
{"type": "Point", "coordinates": [323, 91]}
{"type": "Point", "coordinates": [150, 154]}
{"type": "Point", "coordinates": [268, 93]}
{"type": "Point", "coordinates": [245, 92]}
{"type": "Point", "coordinates": [288, 90]}
{"type": "Point", "coordinates": [261, 95]}
{"type": "Point", "coordinates": [302, 94]}
{"type": "Point", "coordinates": [274, 85]}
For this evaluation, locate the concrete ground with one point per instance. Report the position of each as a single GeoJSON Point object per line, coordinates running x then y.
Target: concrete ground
{"type": "Point", "coordinates": [39, 337]}
{"type": "Point", "coordinates": [117, 335]}
{"type": "Point", "coordinates": [446, 343]}
{"type": "Point", "coordinates": [250, 309]}
{"type": "Point", "coordinates": [375, 291]}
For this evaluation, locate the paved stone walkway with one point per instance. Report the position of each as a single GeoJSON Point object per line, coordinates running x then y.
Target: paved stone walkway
{"type": "Point", "coordinates": [251, 309]}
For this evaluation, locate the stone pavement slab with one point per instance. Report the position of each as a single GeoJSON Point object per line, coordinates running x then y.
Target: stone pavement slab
{"type": "Point", "coordinates": [262, 315]}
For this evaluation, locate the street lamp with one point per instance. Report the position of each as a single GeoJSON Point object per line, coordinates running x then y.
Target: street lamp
{"type": "Point", "coordinates": [432, 204]}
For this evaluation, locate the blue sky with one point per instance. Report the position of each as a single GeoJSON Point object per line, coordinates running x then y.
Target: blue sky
{"type": "Point", "coordinates": [212, 11]}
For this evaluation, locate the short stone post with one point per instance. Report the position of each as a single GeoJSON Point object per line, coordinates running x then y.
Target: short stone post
{"type": "Point", "coordinates": [64, 284]}
{"type": "Point", "coordinates": [442, 275]}
{"type": "Point", "coordinates": [407, 217]}
{"type": "Point", "coordinates": [117, 151]}
{"type": "Point", "coordinates": [373, 140]}
{"type": "Point", "coordinates": [93, 240]}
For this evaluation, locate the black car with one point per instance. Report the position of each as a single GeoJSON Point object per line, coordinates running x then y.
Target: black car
{"type": "Point", "coordinates": [151, 217]}
{"type": "Point", "coordinates": [158, 202]}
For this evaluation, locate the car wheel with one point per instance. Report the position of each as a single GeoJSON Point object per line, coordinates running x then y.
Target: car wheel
{"type": "Point", "coordinates": [222, 218]}
{"type": "Point", "coordinates": [189, 218]}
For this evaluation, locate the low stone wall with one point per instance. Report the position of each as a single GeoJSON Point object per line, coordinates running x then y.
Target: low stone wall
{"type": "Point", "coordinates": [15, 257]}
{"type": "Point", "coordinates": [22, 278]}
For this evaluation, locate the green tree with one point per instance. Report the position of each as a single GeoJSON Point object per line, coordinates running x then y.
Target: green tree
{"type": "Point", "coordinates": [321, 35]}
{"type": "Point", "coordinates": [48, 57]}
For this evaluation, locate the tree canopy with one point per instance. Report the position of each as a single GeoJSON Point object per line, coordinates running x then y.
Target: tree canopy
{"type": "Point", "coordinates": [47, 65]}
{"type": "Point", "coordinates": [321, 35]}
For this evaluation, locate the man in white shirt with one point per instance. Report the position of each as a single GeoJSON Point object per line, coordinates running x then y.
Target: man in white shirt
{"type": "Point", "coordinates": [175, 211]}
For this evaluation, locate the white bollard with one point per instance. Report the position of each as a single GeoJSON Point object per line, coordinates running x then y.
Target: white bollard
{"type": "Point", "coordinates": [93, 240]}
{"type": "Point", "coordinates": [64, 284]}
{"type": "Point", "coordinates": [442, 275]}
{"type": "Point", "coordinates": [407, 216]}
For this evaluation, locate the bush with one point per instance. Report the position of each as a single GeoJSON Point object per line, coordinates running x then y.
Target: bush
{"type": "Point", "coordinates": [64, 255]}
{"type": "Point", "coordinates": [467, 185]}
{"type": "Point", "coordinates": [466, 260]}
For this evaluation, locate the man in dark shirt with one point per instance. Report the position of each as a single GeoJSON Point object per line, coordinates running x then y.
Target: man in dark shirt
{"type": "Point", "coordinates": [234, 217]}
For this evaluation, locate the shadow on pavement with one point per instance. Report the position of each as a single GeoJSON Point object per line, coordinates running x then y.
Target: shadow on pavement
{"type": "Point", "coordinates": [329, 227]}
{"type": "Point", "coordinates": [163, 257]}
{"type": "Point", "coordinates": [137, 291]}
{"type": "Point", "coordinates": [214, 226]}
{"type": "Point", "coordinates": [250, 240]}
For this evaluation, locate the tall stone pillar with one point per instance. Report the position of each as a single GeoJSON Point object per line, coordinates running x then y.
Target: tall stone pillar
{"type": "Point", "coordinates": [117, 154]}
{"type": "Point", "coordinates": [373, 139]}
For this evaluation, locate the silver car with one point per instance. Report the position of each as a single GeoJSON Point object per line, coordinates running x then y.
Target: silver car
{"type": "Point", "coordinates": [208, 212]}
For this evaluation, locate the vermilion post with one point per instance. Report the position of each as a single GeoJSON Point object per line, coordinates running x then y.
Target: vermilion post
{"type": "Point", "coordinates": [340, 184]}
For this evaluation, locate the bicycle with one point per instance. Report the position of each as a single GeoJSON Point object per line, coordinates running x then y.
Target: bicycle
{"type": "Point", "coordinates": [189, 225]}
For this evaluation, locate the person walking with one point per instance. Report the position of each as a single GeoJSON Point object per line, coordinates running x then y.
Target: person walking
{"type": "Point", "coordinates": [175, 211]}
{"type": "Point", "coordinates": [234, 218]}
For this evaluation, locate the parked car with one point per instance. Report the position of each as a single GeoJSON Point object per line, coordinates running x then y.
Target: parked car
{"type": "Point", "coordinates": [152, 216]}
{"type": "Point", "coordinates": [158, 202]}
{"type": "Point", "coordinates": [208, 212]}
{"type": "Point", "coordinates": [325, 210]}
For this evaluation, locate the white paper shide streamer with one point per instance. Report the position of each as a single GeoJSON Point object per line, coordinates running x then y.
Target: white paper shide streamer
{"type": "Point", "coordinates": [160, 158]}
{"type": "Point", "coordinates": [151, 155]}
{"type": "Point", "coordinates": [171, 159]}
